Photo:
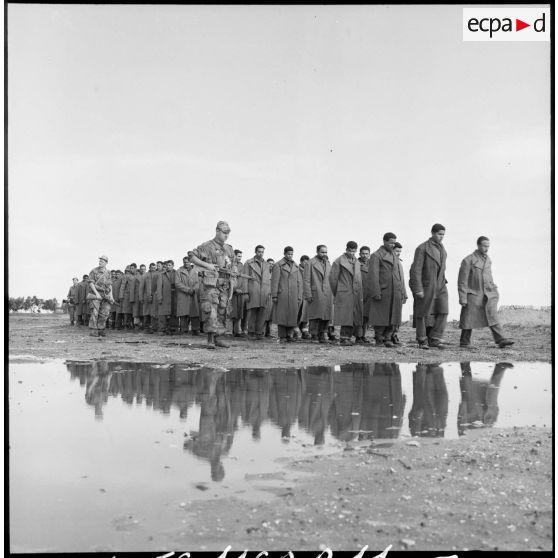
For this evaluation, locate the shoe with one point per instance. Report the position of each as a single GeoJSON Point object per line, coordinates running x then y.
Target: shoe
{"type": "Point", "coordinates": [346, 343]}
{"type": "Point", "coordinates": [435, 343]}
{"type": "Point", "coordinates": [244, 334]}
{"type": "Point", "coordinates": [332, 337]}
{"type": "Point", "coordinates": [292, 339]}
{"type": "Point", "coordinates": [365, 340]}
{"type": "Point", "coordinates": [379, 343]}
{"type": "Point", "coordinates": [505, 343]}
{"type": "Point", "coordinates": [258, 337]}
{"type": "Point", "coordinates": [93, 333]}
{"type": "Point", "coordinates": [102, 333]}
{"type": "Point", "coordinates": [237, 335]}
{"type": "Point", "coordinates": [283, 340]}
{"type": "Point", "coordinates": [220, 343]}
{"type": "Point", "coordinates": [314, 339]}
{"type": "Point", "coordinates": [423, 345]}
{"type": "Point", "coordinates": [465, 345]}
{"type": "Point", "coordinates": [305, 335]}
{"type": "Point", "coordinates": [211, 341]}
{"type": "Point", "coordinates": [388, 344]}
{"type": "Point", "coordinates": [359, 341]}
{"type": "Point", "coordinates": [322, 339]}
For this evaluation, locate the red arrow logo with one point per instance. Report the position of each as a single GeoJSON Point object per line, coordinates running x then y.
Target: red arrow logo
{"type": "Point", "coordinates": [519, 25]}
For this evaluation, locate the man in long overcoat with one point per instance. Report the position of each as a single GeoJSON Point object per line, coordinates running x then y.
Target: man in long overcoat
{"type": "Point", "coordinates": [72, 297]}
{"type": "Point", "coordinates": [303, 310]}
{"type": "Point", "coordinates": [478, 296]}
{"type": "Point", "coordinates": [269, 306]}
{"type": "Point", "coordinates": [82, 312]}
{"type": "Point", "coordinates": [147, 296]}
{"type": "Point", "coordinates": [187, 308]}
{"type": "Point", "coordinates": [166, 298]}
{"type": "Point", "coordinates": [259, 292]}
{"type": "Point", "coordinates": [286, 293]}
{"type": "Point", "coordinates": [364, 260]}
{"type": "Point", "coordinates": [346, 285]}
{"type": "Point", "coordinates": [124, 297]}
{"type": "Point", "coordinates": [116, 315]}
{"type": "Point", "coordinates": [397, 251]}
{"type": "Point", "coordinates": [154, 303]}
{"type": "Point", "coordinates": [428, 285]}
{"type": "Point", "coordinates": [384, 280]}
{"type": "Point", "coordinates": [238, 302]}
{"type": "Point", "coordinates": [317, 294]}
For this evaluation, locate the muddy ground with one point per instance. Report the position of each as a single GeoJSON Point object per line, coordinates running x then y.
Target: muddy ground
{"type": "Point", "coordinates": [51, 336]}
{"type": "Point", "coordinates": [490, 489]}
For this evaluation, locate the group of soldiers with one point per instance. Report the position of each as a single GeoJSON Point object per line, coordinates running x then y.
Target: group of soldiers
{"type": "Point", "coordinates": [313, 296]}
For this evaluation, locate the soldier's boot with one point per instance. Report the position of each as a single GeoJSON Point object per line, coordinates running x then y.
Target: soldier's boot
{"type": "Point", "coordinates": [210, 340]}
{"type": "Point", "coordinates": [93, 332]}
{"type": "Point", "coordinates": [220, 343]}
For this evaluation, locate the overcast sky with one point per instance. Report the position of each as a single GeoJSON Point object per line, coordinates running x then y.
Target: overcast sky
{"type": "Point", "coordinates": [134, 129]}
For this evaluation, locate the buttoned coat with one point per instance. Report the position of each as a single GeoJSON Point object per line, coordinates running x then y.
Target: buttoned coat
{"type": "Point", "coordinates": [286, 285]}
{"type": "Point", "coordinates": [154, 302]}
{"type": "Point", "coordinates": [187, 285]}
{"type": "Point", "coordinates": [166, 297]}
{"type": "Point", "coordinates": [476, 288]}
{"type": "Point", "coordinates": [428, 275]}
{"type": "Point", "coordinates": [364, 266]}
{"type": "Point", "coordinates": [259, 288]}
{"type": "Point", "coordinates": [345, 281]}
{"type": "Point", "coordinates": [147, 291]}
{"type": "Point", "coordinates": [384, 279]}
{"type": "Point", "coordinates": [125, 294]}
{"type": "Point", "coordinates": [316, 287]}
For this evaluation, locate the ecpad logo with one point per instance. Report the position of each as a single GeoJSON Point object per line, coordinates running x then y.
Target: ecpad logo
{"type": "Point", "coordinates": [506, 24]}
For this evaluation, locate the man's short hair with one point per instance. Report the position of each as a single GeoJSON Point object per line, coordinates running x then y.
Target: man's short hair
{"type": "Point", "coordinates": [364, 248]}
{"type": "Point", "coordinates": [389, 236]}
{"type": "Point", "coordinates": [258, 247]}
{"type": "Point", "coordinates": [236, 252]}
{"type": "Point", "coordinates": [133, 265]}
{"type": "Point", "coordinates": [75, 278]}
{"type": "Point", "coordinates": [142, 265]}
{"type": "Point", "coordinates": [270, 260]}
{"type": "Point", "coordinates": [320, 246]}
{"type": "Point", "coordinates": [481, 239]}
{"type": "Point", "coordinates": [85, 277]}
{"type": "Point", "coordinates": [170, 261]}
{"type": "Point", "coordinates": [304, 258]}
{"type": "Point", "coordinates": [397, 245]}
{"type": "Point", "coordinates": [152, 264]}
{"type": "Point", "coordinates": [287, 249]}
{"type": "Point", "coordinates": [437, 228]}
{"type": "Point", "coordinates": [351, 245]}
{"type": "Point", "coordinates": [160, 262]}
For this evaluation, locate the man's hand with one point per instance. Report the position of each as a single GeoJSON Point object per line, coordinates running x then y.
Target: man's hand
{"type": "Point", "coordinates": [309, 300]}
{"type": "Point", "coordinates": [420, 295]}
{"type": "Point", "coordinates": [464, 304]}
{"type": "Point", "coordinates": [378, 297]}
{"type": "Point", "coordinates": [111, 300]}
{"type": "Point", "coordinates": [274, 299]}
{"type": "Point", "coordinates": [404, 300]}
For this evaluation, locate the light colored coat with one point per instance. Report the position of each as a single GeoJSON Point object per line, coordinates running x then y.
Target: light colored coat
{"type": "Point", "coordinates": [476, 288]}
{"type": "Point", "coordinates": [316, 287]}
{"type": "Point", "coordinates": [165, 292]}
{"type": "Point", "coordinates": [428, 275]}
{"type": "Point", "coordinates": [286, 285]}
{"type": "Point", "coordinates": [259, 288]}
{"type": "Point", "coordinates": [187, 285]}
{"type": "Point", "coordinates": [384, 279]}
{"type": "Point", "coordinates": [125, 294]}
{"type": "Point", "coordinates": [345, 281]}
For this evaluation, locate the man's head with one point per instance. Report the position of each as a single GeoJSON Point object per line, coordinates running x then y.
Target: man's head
{"type": "Point", "coordinates": [75, 280]}
{"type": "Point", "coordinates": [142, 269]}
{"type": "Point", "coordinates": [483, 244]}
{"type": "Point", "coordinates": [133, 268]}
{"type": "Point", "coordinates": [303, 260]}
{"type": "Point", "coordinates": [321, 251]}
{"type": "Point", "coordinates": [438, 231]}
{"type": "Point", "coordinates": [222, 231]}
{"type": "Point", "coordinates": [397, 249]}
{"type": "Point", "coordinates": [118, 273]}
{"type": "Point", "coordinates": [85, 277]}
{"type": "Point", "coordinates": [270, 262]}
{"type": "Point", "coordinates": [127, 270]}
{"type": "Point", "coordinates": [103, 261]}
{"type": "Point", "coordinates": [113, 273]}
{"type": "Point", "coordinates": [169, 265]}
{"type": "Point", "coordinates": [364, 253]}
{"type": "Point", "coordinates": [160, 265]}
{"type": "Point", "coordinates": [152, 267]}
{"type": "Point", "coordinates": [238, 256]}
{"type": "Point", "coordinates": [259, 251]}
{"type": "Point", "coordinates": [351, 249]}
{"type": "Point", "coordinates": [288, 253]}
{"type": "Point", "coordinates": [389, 241]}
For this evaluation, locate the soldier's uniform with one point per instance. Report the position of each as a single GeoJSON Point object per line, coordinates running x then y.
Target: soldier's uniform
{"type": "Point", "coordinates": [72, 297]}
{"type": "Point", "coordinates": [215, 287]}
{"type": "Point", "coordinates": [100, 309]}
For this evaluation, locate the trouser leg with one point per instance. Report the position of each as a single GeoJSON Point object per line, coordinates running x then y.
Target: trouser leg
{"type": "Point", "coordinates": [103, 314]}
{"type": "Point", "coordinates": [465, 338]}
{"type": "Point", "coordinates": [439, 327]}
{"type": "Point", "coordinates": [268, 328]}
{"type": "Point", "coordinates": [251, 319]}
{"type": "Point", "coordinates": [420, 324]}
{"type": "Point", "coordinates": [282, 331]}
{"type": "Point", "coordinates": [195, 322]}
{"type": "Point", "coordinates": [314, 327]}
{"type": "Point", "coordinates": [346, 332]}
{"type": "Point", "coordinates": [163, 324]}
{"type": "Point", "coordinates": [95, 305]}
{"type": "Point", "coordinates": [260, 320]}
{"type": "Point", "coordinates": [497, 333]}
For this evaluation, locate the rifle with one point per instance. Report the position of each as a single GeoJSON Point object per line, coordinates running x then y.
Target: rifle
{"type": "Point", "coordinates": [238, 274]}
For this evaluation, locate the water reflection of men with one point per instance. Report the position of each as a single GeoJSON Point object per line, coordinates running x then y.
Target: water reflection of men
{"type": "Point", "coordinates": [97, 386]}
{"type": "Point", "coordinates": [216, 430]}
{"type": "Point", "coordinates": [284, 400]}
{"type": "Point", "coordinates": [256, 402]}
{"type": "Point", "coordinates": [429, 412]}
{"type": "Point", "coordinates": [479, 398]}
{"type": "Point", "coordinates": [383, 402]}
{"type": "Point", "coordinates": [346, 409]}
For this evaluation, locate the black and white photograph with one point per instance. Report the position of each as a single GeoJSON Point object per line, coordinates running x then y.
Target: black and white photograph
{"type": "Point", "coordinates": [279, 278]}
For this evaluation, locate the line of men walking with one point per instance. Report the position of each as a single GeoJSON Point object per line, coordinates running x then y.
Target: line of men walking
{"type": "Point", "coordinates": [314, 296]}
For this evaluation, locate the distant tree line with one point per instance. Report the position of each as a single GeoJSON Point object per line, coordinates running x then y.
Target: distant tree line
{"type": "Point", "coordinates": [31, 302]}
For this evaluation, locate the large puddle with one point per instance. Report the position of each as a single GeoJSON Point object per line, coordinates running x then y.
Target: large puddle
{"type": "Point", "coordinates": [102, 451]}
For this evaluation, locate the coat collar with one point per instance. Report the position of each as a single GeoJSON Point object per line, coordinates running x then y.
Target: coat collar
{"type": "Point", "coordinates": [386, 256]}
{"type": "Point", "coordinates": [317, 264]}
{"type": "Point", "coordinates": [436, 254]}
{"type": "Point", "coordinates": [283, 263]}
{"type": "Point", "coordinates": [257, 266]}
{"type": "Point", "coordinates": [344, 261]}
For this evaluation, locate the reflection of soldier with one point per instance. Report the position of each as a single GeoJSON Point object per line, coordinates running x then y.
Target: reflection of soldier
{"type": "Point", "coordinates": [479, 398]}
{"type": "Point", "coordinates": [383, 402]}
{"type": "Point", "coordinates": [96, 391]}
{"type": "Point", "coordinates": [216, 434]}
{"type": "Point", "coordinates": [316, 402]}
{"type": "Point", "coordinates": [430, 401]}
{"type": "Point", "coordinates": [215, 288]}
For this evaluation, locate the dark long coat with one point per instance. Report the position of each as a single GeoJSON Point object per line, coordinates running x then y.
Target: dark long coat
{"type": "Point", "coordinates": [81, 292]}
{"type": "Point", "coordinates": [125, 293]}
{"type": "Point", "coordinates": [115, 294]}
{"type": "Point", "coordinates": [166, 297]}
{"type": "Point", "coordinates": [187, 285]}
{"type": "Point", "coordinates": [259, 288]}
{"type": "Point", "coordinates": [303, 308]}
{"type": "Point", "coordinates": [474, 283]}
{"type": "Point", "coordinates": [384, 279]}
{"type": "Point", "coordinates": [428, 275]}
{"type": "Point", "coordinates": [316, 287]}
{"type": "Point", "coordinates": [147, 291]}
{"type": "Point", "coordinates": [286, 285]}
{"type": "Point", "coordinates": [364, 266]}
{"type": "Point", "coordinates": [346, 285]}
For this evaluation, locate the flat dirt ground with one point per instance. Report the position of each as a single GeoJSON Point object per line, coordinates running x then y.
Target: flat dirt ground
{"type": "Point", "coordinates": [51, 336]}
{"type": "Point", "coordinates": [490, 489]}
